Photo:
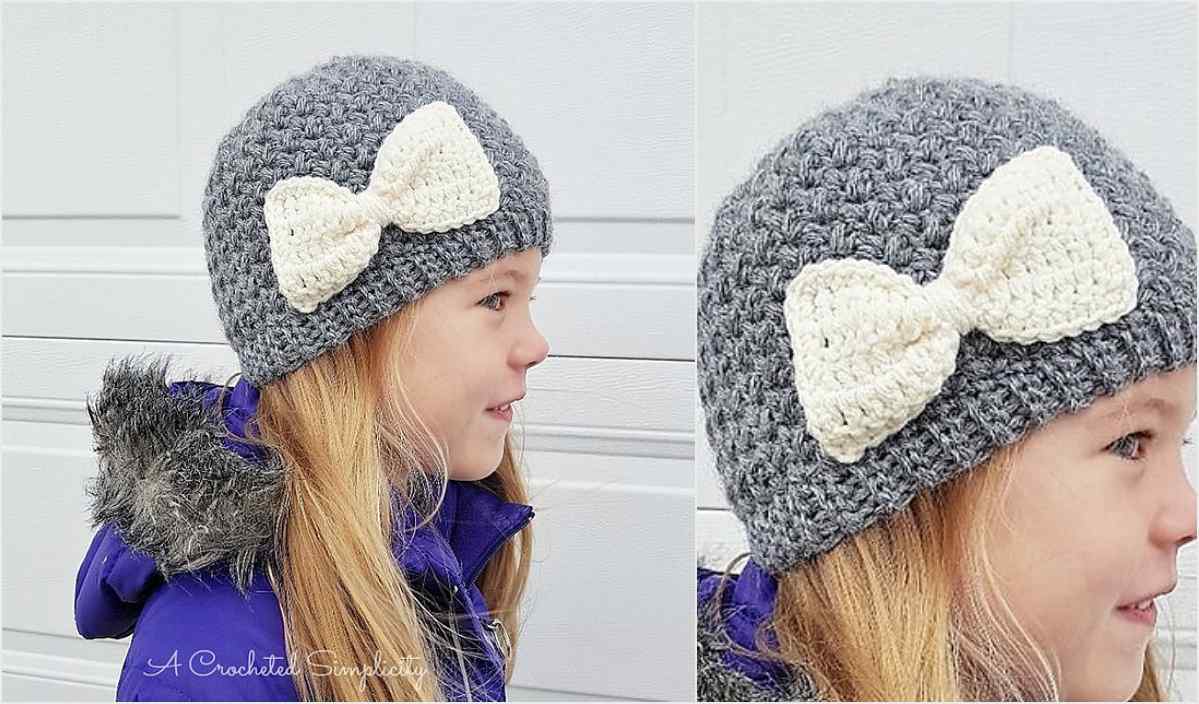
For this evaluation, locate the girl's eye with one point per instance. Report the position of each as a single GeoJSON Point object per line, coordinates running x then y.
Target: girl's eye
{"type": "Point", "coordinates": [1130, 446]}
{"type": "Point", "coordinates": [495, 301]}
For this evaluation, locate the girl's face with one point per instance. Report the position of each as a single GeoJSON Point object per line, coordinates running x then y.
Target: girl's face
{"type": "Point", "coordinates": [1098, 506]}
{"type": "Point", "coordinates": [464, 365]}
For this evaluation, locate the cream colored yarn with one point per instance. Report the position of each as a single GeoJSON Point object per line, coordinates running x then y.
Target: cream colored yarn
{"type": "Point", "coordinates": [1034, 257]}
{"type": "Point", "coordinates": [430, 175]}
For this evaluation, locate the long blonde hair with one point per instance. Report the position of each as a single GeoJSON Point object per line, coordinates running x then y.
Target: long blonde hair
{"type": "Point", "coordinates": [910, 609]}
{"type": "Point", "coordinates": [352, 443]}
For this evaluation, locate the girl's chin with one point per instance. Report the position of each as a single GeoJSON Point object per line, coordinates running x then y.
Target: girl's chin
{"type": "Point", "coordinates": [1116, 681]}
{"type": "Point", "coordinates": [476, 470]}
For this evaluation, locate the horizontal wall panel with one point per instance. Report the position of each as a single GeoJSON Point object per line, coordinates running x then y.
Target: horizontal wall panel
{"type": "Point", "coordinates": [103, 652]}
{"type": "Point", "coordinates": [25, 688]}
{"type": "Point", "coordinates": [90, 117]}
{"type": "Point", "coordinates": [607, 470]}
{"type": "Point", "coordinates": [602, 93]}
{"type": "Point", "coordinates": [167, 82]}
{"type": "Point", "coordinates": [79, 672]}
{"type": "Point", "coordinates": [1141, 96]}
{"type": "Point", "coordinates": [605, 305]}
{"type": "Point", "coordinates": [610, 563]}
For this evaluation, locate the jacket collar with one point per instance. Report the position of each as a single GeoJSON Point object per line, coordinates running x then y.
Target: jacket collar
{"type": "Point", "coordinates": [746, 603]}
{"type": "Point", "coordinates": [755, 592]}
{"type": "Point", "coordinates": [172, 445]}
{"type": "Point", "coordinates": [237, 411]}
{"type": "Point", "coordinates": [452, 549]}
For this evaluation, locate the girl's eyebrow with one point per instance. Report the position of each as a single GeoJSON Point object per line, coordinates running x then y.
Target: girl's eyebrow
{"type": "Point", "coordinates": [1161, 406]}
{"type": "Point", "coordinates": [507, 272]}
{"type": "Point", "coordinates": [518, 274]}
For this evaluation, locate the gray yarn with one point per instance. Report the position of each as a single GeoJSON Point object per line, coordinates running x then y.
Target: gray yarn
{"type": "Point", "coordinates": [330, 122]}
{"type": "Point", "coordinates": [882, 178]}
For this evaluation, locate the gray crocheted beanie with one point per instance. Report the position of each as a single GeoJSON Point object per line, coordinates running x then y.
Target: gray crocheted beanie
{"type": "Point", "coordinates": [913, 280]}
{"type": "Point", "coordinates": [348, 192]}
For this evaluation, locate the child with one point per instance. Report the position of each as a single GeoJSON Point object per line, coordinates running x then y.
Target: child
{"type": "Point", "coordinates": [947, 357]}
{"type": "Point", "coordinates": [348, 521]}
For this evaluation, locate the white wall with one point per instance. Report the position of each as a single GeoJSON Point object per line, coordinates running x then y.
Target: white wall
{"type": "Point", "coordinates": [762, 69]}
{"type": "Point", "coordinates": [111, 114]}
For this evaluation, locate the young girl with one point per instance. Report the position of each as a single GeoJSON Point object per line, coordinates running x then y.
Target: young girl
{"type": "Point", "coordinates": [947, 356]}
{"type": "Point", "coordinates": [348, 521]}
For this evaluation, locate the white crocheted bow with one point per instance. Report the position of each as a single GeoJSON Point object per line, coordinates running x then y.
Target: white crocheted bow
{"type": "Point", "coordinates": [1034, 257]}
{"type": "Point", "coordinates": [430, 175]}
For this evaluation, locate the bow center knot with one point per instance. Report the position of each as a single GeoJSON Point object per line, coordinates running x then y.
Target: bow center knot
{"type": "Point", "coordinates": [374, 207]}
{"type": "Point", "coordinates": [950, 305]}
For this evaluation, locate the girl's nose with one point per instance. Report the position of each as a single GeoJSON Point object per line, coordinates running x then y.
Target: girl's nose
{"type": "Point", "coordinates": [1177, 520]}
{"type": "Point", "coordinates": [533, 348]}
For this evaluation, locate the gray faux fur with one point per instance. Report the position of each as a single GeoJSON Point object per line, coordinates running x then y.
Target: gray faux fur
{"type": "Point", "coordinates": [168, 484]}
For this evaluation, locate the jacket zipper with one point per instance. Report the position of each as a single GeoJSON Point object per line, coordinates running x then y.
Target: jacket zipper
{"type": "Point", "coordinates": [500, 638]}
{"type": "Point", "coordinates": [501, 644]}
{"type": "Point", "coordinates": [458, 647]}
{"type": "Point", "coordinates": [500, 641]}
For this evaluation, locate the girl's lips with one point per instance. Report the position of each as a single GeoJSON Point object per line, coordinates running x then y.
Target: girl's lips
{"type": "Point", "coordinates": [1146, 616]}
{"type": "Point", "coordinates": [503, 413]}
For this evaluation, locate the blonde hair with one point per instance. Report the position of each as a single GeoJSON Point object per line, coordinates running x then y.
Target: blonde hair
{"type": "Point", "coordinates": [352, 444]}
{"type": "Point", "coordinates": [910, 609]}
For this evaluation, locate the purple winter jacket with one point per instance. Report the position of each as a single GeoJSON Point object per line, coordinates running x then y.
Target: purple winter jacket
{"type": "Point", "coordinates": [184, 511]}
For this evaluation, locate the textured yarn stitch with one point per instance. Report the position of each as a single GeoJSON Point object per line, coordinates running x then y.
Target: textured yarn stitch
{"type": "Point", "coordinates": [884, 179]}
{"type": "Point", "coordinates": [330, 123]}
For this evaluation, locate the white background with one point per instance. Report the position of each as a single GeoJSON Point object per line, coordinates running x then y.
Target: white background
{"type": "Point", "coordinates": [1129, 70]}
{"type": "Point", "coordinates": [111, 115]}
